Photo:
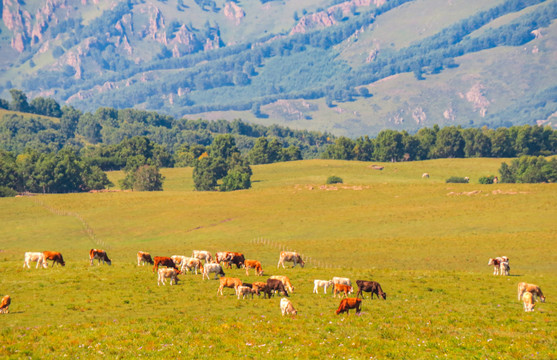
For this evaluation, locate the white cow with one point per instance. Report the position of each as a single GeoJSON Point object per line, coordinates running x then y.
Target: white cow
{"type": "Point", "coordinates": [342, 280]}
{"type": "Point", "coordinates": [178, 259]}
{"type": "Point", "coordinates": [167, 273]}
{"type": "Point", "coordinates": [212, 268]}
{"type": "Point", "coordinates": [35, 256]}
{"type": "Point", "coordinates": [286, 307]}
{"type": "Point", "coordinates": [290, 256]}
{"type": "Point", "coordinates": [191, 264]}
{"type": "Point", "coordinates": [202, 255]}
{"type": "Point", "coordinates": [322, 283]}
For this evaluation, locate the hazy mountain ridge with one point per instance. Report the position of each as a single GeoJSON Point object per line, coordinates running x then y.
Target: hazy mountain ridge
{"type": "Point", "coordinates": [185, 57]}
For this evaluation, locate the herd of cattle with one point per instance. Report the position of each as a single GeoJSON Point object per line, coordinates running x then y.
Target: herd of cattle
{"type": "Point", "coordinates": [203, 262]}
{"type": "Point", "coordinates": [528, 293]}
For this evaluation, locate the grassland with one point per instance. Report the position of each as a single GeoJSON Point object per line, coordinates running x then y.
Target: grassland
{"type": "Point", "coordinates": [425, 241]}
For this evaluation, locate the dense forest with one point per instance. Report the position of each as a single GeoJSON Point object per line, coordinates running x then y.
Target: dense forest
{"type": "Point", "coordinates": [64, 150]}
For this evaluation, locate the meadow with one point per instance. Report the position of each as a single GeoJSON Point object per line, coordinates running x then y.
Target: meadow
{"type": "Point", "coordinates": [425, 241]}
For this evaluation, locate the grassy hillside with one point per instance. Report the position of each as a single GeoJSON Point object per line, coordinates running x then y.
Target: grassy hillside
{"type": "Point", "coordinates": [425, 241]}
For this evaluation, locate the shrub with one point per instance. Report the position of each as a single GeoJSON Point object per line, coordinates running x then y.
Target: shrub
{"type": "Point", "coordinates": [456, 179]}
{"type": "Point", "coordinates": [7, 192]}
{"type": "Point", "coordinates": [334, 180]}
{"type": "Point", "coordinates": [486, 179]}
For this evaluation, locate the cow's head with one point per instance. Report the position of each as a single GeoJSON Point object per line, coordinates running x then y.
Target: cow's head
{"type": "Point", "coordinates": [108, 261]}
{"type": "Point", "coordinates": [384, 296]}
{"type": "Point", "coordinates": [542, 298]}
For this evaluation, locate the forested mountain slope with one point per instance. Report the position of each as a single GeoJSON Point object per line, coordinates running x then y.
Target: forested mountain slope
{"type": "Point", "coordinates": [348, 67]}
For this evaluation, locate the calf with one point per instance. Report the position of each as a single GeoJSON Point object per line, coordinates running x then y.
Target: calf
{"type": "Point", "coordinates": [342, 280]}
{"type": "Point", "coordinates": [531, 288]}
{"type": "Point", "coordinates": [290, 256]}
{"type": "Point", "coordinates": [322, 283]}
{"type": "Point", "coordinates": [285, 281]}
{"type": "Point", "coordinates": [341, 288]}
{"type": "Point", "coordinates": [528, 299]}
{"type": "Point", "coordinates": [249, 264]}
{"type": "Point", "coordinates": [500, 265]}
{"type": "Point", "coordinates": [35, 256]}
{"type": "Point", "coordinates": [244, 291]}
{"type": "Point", "coordinates": [212, 268]}
{"type": "Point", "coordinates": [349, 303]}
{"type": "Point", "coordinates": [99, 255]}
{"type": "Point", "coordinates": [56, 257]}
{"type": "Point", "coordinates": [164, 261]}
{"type": "Point", "coordinates": [286, 307]}
{"type": "Point", "coordinates": [372, 287]}
{"type": "Point", "coordinates": [229, 282]}
{"type": "Point", "coordinates": [144, 257]}
{"type": "Point", "coordinates": [258, 286]}
{"type": "Point", "coordinates": [5, 304]}
{"type": "Point", "coordinates": [276, 285]}
{"type": "Point", "coordinates": [167, 273]}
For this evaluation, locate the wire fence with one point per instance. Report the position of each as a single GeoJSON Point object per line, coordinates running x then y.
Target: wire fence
{"type": "Point", "coordinates": [317, 263]}
{"type": "Point", "coordinates": [88, 230]}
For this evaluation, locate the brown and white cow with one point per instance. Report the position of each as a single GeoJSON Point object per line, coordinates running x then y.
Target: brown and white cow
{"type": "Point", "coordinates": [191, 264]}
{"type": "Point", "coordinates": [258, 286]}
{"type": "Point", "coordinates": [528, 299]}
{"type": "Point", "coordinates": [287, 308]}
{"type": "Point", "coordinates": [99, 255]}
{"type": "Point", "coordinates": [202, 255]}
{"type": "Point", "coordinates": [235, 258]}
{"type": "Point", "coordinates": [253, 264]}
{"type": "Point", "coordinates": [221, 256]}
{"type": "Point", "coordinates": [56, 257]}
{"type": "Point", "coordinates": [167, 273]}
{"type": "Point", "coordinates": [212, 268]}
{"type": "Point", "coordinates": [35, 256]}
{"type": "Point", "coordinates": [144, 258]}
{"type": "Point", "coordinates": [349, 303]}
{"type": "Point", "coordinates": [244, 291]}
{"type": "Point", "coordinates": [290, 256]}
{"type": "Point", "coordinates": [5, 304]}
{"type": "Point", "coordinates": [341, 288]}
{"type": "Point", "coordinates": [285, 281]}
{"type": "Point", "coordinates": [229, 282]}
{"type": "Point", "coordinates": [372, 287]}
{"type": "Point", "coordinates": [179, 259]}
{"type": "Point", "coordinates": [531, 288]}
{"type": "Point", "coordinates": [164, 261]}
{"type": "Point", "coordinates": [500, 265]}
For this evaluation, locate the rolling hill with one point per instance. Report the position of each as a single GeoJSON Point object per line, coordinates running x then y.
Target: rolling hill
{"type": "Point", "coordinates": [346, 67]}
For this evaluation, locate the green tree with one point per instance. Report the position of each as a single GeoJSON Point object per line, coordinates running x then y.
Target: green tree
{"type": "Point", "coordinates": [388, 146]}
{"type": "Point", "coordinates": [501, 143]}
{"type": "Point", "coordinates": [19, 101]}
{"type": "Point", "coordinates": [69, 120]}
{"type": "Point", "coordinates": [45, 106]}
{"type": "Point", "coordinates": [449, 143]}
{"type": "Point", "coordinates": [342, 149]}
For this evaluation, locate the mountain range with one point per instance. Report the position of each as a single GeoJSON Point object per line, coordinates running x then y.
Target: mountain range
{"type": "Point", "coordinates": [350, 68]}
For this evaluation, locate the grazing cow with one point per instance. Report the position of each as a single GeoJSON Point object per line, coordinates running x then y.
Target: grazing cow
{"type": "Point", "coordinates": [276, 285]}
{"type": "Point", "coordinates": [349, 303]}
{"type": "Point", "coordinates": [212, 268]}
{"type": "Point", "coordinates": [372, 287]}
{"type": "Point", "coordinates": [290, 256]}
{"type": "Point", "coordinates": [286, 307]}
{"type": "Point", "coordinates": [167, 273]}
{"type": "Point", "coordinates": [341, 288]}
{"type": "Point", "coordinates": [235, 258]}
{"type": "Point", "coordinates": [202, 255]}
{"type": "Point", "coordinates": [191, 264]}
{"type": "Point", "coordinates": [285, 281]}
{"type": "Point", "coordinates": [221, 256]}
{"type": "Point", "coordinates": [495, 180]}
{"type": "Point", "coordinates": [528, 299]}
{"type": "Point", "coordinates": [144, 257]}
{"type": "Point", "coordinates": [244, 291]}
{"type": "Point", "coordinates": [249, 264]}
{"type": "Point", "coordinates": [35, 256]}
{"type": "Point", "coordinates": [342, 280]}
{"type": "Point", "coordinates": [467, 179]}
{"type": "Point", "coordinates": [531, 288]}
{"type": "Point", "coordinates": [5, 304]}
{"type": "Point", "coordinates": [229, 282]}
{"type": "Point", "coordinates": [425, 176]}
{"type": "Point", "coordinates": [500, 265]}
{"type": "Point", "coordinates": [178, 259]}
{"type": "Point", "coordinates": [258, 286]}
{"type": "Point", "coordinates": [99, 255]}
{"type": "Point", "coordinates": [56, 257]}
{"type": "Point", "coordinates": [164, 261]}
{"type": "Point", "coordinates": [322, 283]}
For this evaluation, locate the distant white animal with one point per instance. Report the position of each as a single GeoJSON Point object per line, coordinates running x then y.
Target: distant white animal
{"type": "Point", "coordinates": [322, 283]}
{"type": "Point", "coordinates": [35, 256]}
{"type": "Point", "coordinates": [286, 307]}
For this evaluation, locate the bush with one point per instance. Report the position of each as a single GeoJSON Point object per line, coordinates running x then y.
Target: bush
{"type": "Point", "coordinates": [7, 192]}
{"type": "Point", "coordinates": [334, 180]}
{"type": "Point", "coordinates": [456, 179]}
{"type": "Point", "coordinates": [486, 179]}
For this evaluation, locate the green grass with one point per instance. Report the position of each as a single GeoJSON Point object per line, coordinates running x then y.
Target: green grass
{"type": "Point", "coordinates": [425, 241]}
